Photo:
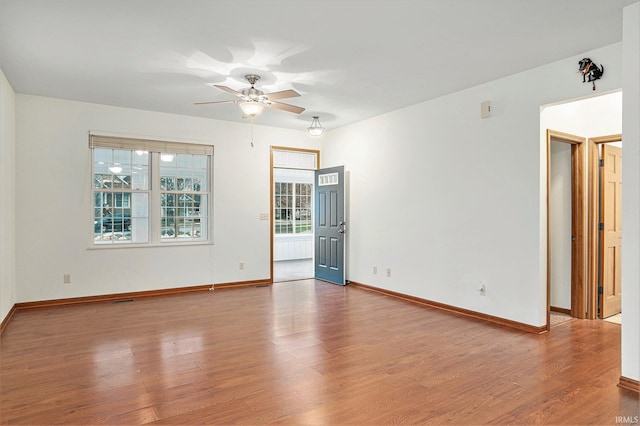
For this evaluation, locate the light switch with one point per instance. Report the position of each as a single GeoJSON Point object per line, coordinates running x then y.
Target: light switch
{"type": "Point", "coordinates": [485, 109]}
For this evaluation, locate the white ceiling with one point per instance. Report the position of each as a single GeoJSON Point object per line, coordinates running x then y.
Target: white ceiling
{"type": "Point", "coordinates": [349, 59]}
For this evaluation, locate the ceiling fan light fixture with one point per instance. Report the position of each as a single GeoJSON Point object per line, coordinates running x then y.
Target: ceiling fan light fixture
{"type": "Point", "coordinates": [251, 108]}
{"type": "Point", "coordinates": [316, 128]}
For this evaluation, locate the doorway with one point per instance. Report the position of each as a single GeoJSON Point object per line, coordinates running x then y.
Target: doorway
{"type": "Point", "coordinates": [588, 117]}
{"type": "Point", "coordinates": [292, 182]}
{"type": "Point", "coordinates": [573, 243]}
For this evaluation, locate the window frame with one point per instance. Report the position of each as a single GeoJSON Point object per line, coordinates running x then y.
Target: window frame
{"type": "Point", "coordinates": [155, 148]}
{"type": "Point", "coordinates": [292, 208]}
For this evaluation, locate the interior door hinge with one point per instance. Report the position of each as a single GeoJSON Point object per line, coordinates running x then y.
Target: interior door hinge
{"type": "Point", "coordinates": [601, 163]}
{"type": "Point", "coordinates": [601, 226]}
{"type": "Point", "coordinates": [600, 290]}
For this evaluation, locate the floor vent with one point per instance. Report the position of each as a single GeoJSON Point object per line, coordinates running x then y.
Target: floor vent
{"type": "Point", "coordinates": [122, 300]}
{"type": "Point", "coordinates": [262, 285]}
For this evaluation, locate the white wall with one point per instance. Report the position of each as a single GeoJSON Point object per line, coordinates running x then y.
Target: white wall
{"type": "Point", "coordinates": [631, 194]}
{"type": "Point", "coordinates": [445, 198]}
{"type": "Point", "coordinates": [53, 198]}
{"type": "Point", "coordinates": [7, 198]}
{"type": "Point", "coordinates": [600, 115]}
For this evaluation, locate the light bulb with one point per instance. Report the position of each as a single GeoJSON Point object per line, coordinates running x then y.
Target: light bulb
{"type": "Point", "coordinates": [251, 108]}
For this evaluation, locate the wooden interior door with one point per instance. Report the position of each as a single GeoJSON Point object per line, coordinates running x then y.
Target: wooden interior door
{"type": "Point", "coordinates": [610, 231]}
{"type": "Point", "coordinates": [578, 209]}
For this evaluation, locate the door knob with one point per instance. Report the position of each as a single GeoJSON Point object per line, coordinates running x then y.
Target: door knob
{"type": "Point", "coordinates": [342, 227]}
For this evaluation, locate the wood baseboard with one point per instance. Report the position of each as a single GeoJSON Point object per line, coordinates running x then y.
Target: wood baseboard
{"type": "Point", "coordinates": [135, 294]}
{"type": "Point", "coordinates": [110, 297]}
{"type": "Point", "coordinates": [6, 319]}
{"type": "Point", "coordinates": [243, 284]}
{"type": "Point", "coordinates": [630, 384]}
{"type": "Point", "coordinates": [560, 310]}
{"type": "Point", "coordinates": [442, 306]}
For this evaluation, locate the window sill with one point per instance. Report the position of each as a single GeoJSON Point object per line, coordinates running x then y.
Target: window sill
{"type": "Point", "coordinates": [149, 245]}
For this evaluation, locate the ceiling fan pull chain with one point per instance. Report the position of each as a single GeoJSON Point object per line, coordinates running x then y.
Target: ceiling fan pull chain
{"type": "Point", "coordinates": [252, 131]}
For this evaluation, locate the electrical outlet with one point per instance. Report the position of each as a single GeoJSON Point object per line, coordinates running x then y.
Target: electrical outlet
{"type": "Point", "coordinates": [241, 265]}
{"type": "Point", "coordinates": [388, 272]}
{"type": "Point", "coordinates": [375, 270]}
{"type": "Point", "coordinates": [67, 278]}
{"type": "Point", "coordinates": [482, 288]}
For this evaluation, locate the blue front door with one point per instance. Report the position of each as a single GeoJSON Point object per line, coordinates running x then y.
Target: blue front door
{"type": "Point", "coordinates": [329, 225]}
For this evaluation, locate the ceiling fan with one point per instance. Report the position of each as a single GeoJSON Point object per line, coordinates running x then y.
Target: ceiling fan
{"type": "Point", "coordinates": [252, 101]}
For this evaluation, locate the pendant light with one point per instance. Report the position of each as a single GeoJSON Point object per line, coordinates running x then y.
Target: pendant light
{"type": "Point", "coordinates": [316, 128]}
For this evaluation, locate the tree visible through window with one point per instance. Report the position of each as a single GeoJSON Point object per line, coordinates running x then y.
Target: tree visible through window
{"type": "Point", "coordinates": [293, 204]}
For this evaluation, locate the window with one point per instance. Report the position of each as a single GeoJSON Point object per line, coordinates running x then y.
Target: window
{"type": "Point", "coordinates": [121, 196]}
{"type": "Point", "coordinates": [150, 192]}
{"type": "Point", "coordinates": [183, 185]}
{"type": "Point", "coordinates": [293, 207]}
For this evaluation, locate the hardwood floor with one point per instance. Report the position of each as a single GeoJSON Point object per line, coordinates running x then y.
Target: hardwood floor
{"type": "Point", "coordinates": [302, 352]}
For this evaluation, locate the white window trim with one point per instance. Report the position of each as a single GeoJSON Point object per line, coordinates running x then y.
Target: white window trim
{"type": "Point", "coordinates": [154, 147]}
{"type": "Point", "coordinates": [293, 200]}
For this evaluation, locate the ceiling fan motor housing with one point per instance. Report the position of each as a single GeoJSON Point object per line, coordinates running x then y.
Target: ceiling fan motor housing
{"type": "Point", "coordinates": [252, 93]}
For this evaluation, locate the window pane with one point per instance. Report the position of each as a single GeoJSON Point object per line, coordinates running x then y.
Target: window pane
{"type": "Point", "coordinates": [203, 228]}
{"type": "Point", "coordinates": [122, 180]}
{"type": "Point", "coordinates": [186, 228]}
{"type": "Point", "coordinates": [140, 230]}
{"type": "Point", "coordinates": [102, 155]}
{"type": "Point", "coordinates": [140, 177]}
{"type": "Point", "coordinates": [168, 200]}
{"type": "Point", "coordinates": [200, 163]}
{"type": "Point", "coordinates": [121, 217]}
{"type": "Point", "coordinates": [168, 183]}
{"type": "Point", "coordinates": [168, 159]}
{"type": "Point", "coordinates": [140, 158]}
{"type": "Point", "coordinates": [121, 157]}
{"type": "Point", "coordinates": [184, 184]}
{"type": "Point", "coordinates": [184, 161]}
{"type": "Point", "coordinates": [184, 207]}
{"type": "Point", "coordinates": [168, 228]}
{"type": "Point", "coordinates": [199, 183]}
{"type": "Point", "coordinates": [101, 181]}
{"type": "Point", "coordinates": [201, 207]}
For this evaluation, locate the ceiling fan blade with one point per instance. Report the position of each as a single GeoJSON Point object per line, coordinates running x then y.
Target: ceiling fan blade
{"type": "Point", "coordinates": [228, 89]}
{"type": "Point", "coordinates": [283, 94]}
{"type": "Point", "coordinates": [215, 102]}
{"type": "Point", "coordinates": [286, 107]}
